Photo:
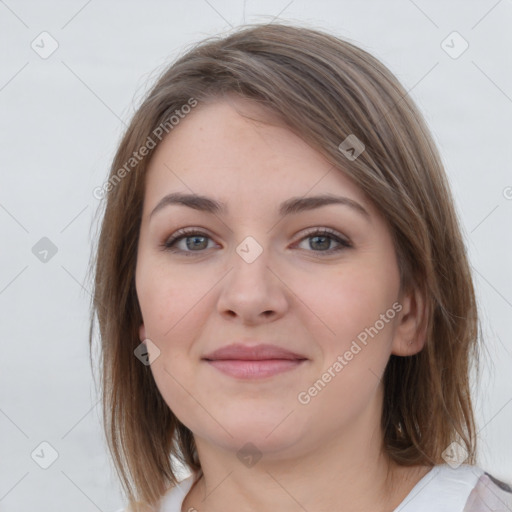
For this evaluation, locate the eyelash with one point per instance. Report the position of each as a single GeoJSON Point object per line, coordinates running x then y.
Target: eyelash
{"type": "Point", "coordinates": [189, 232]}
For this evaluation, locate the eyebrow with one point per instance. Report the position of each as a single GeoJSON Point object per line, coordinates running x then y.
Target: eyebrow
{"type": "Point", "coordinates": [290, 206]}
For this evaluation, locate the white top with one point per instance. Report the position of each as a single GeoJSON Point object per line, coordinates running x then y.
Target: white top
{"type": "Point", "coordinates": [443, 489]}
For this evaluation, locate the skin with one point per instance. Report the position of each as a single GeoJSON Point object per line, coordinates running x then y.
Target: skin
{"type": "Point", "coordinates": [314, 456]}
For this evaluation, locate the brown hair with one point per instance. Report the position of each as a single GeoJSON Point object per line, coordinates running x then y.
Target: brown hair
{"type": "Point", "coordinates": [324, 89]}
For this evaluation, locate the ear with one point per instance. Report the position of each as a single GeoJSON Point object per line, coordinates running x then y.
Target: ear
{"type": "Point", "coordinates": [142, 332]}
{"type": "Point", "coordinates": [410, 329]}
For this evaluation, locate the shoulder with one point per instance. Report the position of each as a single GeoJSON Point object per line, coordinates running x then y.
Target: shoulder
{"type": "Point", "coordinates": [466, 488]}
{"type": "Point", "coordinates": [489, 493]}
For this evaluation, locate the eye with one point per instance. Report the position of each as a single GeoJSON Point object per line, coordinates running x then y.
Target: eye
{"type": "Point", "coordinates": [197, 241]}
{"type": "Point", "coordinates": [321, 239]}
{"type": "Point", "coordinates": [194, 240]}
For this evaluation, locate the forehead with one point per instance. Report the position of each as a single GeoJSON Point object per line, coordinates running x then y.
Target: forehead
{"type": "Point", "coordinates": [234, 151]}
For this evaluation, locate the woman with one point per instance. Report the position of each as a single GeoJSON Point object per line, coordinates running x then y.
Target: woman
{"type": "Point", "coordinates": [283, 293]}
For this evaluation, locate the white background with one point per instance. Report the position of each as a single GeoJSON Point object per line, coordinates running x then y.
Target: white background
{"type": "Point", "coordinates": [61, 118]}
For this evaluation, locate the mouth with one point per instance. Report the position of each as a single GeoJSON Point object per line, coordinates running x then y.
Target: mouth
{"type": "Point", "coordinates": [252, 369]}
{"type": "Point", "coordinates": [251, 362]}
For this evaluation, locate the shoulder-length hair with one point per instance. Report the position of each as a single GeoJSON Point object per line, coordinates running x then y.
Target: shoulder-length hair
{"type": "Point", "coordinates": [324, 89]}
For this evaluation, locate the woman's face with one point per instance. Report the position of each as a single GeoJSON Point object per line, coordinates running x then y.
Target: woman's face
{"type": "Point", "coordinates": [263, 271]}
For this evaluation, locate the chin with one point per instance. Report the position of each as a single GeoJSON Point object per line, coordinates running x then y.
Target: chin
{"type": "Point", "coordinates": [267, 435]}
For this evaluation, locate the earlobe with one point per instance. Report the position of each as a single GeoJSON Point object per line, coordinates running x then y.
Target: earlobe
{"type": "Point", "coordinates": [410, 335]}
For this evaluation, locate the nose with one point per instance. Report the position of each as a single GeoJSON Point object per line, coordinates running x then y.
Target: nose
{"type": "Point", "coordinates": [252, 291]}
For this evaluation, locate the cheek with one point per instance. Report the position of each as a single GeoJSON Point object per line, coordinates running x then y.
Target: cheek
{"type": "Point", "coordinates": [351, 298]}
{"type": "Point", "coordinates": [168, 299]}
{"type": "Point", "coordinates": [174, 306]}
{"type": "Point", "coordinates": [171, 311]}
{"type": "Point", "coordinates": [174, 378]}
{"type": "Point", "coordinates": [354, 339]}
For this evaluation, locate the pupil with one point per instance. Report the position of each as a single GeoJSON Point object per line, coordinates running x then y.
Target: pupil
{"type": "Point", "coordinates": [325, 245]}
{"type": "Point", "coordinates": [193, 244]}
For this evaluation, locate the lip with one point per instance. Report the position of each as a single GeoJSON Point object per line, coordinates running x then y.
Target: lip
{"type": "Point", "coordinates": [253, 361]}
{"type": "Point", "coordinates": [259, 352]}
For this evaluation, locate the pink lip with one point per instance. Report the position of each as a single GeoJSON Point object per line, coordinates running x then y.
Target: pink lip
{"type": "Point", "coordinates": [252, 352]}
{"type": "Point", "coordinates": [257, 361]}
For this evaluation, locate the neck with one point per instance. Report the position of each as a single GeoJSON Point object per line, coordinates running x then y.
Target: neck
{"type": "Point", "coordinates": [343, 471]}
